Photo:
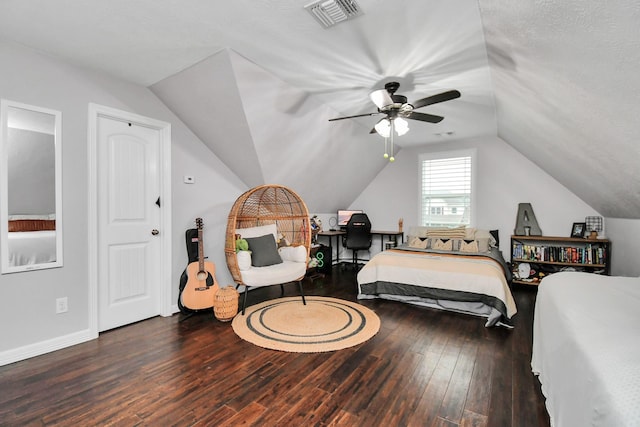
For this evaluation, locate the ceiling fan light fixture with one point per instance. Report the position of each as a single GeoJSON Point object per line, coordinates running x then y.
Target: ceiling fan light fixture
{"type": "Point", "coordinates": [381, 98]}
{"type": "Point", "coordinates": [383, 127]}
{"type": "Point", "coordinates": [401, 126]}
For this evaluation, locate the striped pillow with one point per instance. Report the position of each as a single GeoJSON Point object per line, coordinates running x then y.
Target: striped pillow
{"type": "Point", "coordinates": [447, 232]}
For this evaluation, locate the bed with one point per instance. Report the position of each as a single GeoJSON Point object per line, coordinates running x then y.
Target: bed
{"type": "Point", "coordinates": [586, 349]}
{"type": "Point", "coordinates": [32, 240]}
{"type": "Point", "coordinates": [448, 277]}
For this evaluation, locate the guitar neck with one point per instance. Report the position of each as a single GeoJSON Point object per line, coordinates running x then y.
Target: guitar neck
{"type": "Point", "coordinates": [200, 251]}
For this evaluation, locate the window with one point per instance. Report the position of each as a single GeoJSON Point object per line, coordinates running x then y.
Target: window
{"type": "Point", "coordinates": [446, 189]}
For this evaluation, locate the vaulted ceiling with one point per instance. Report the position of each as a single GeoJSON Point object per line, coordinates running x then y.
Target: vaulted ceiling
{"type": "Point", "coordinates": [258, 80]}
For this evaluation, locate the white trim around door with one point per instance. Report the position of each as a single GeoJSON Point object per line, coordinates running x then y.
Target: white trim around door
{"type": "Point", "coordinates": [98, 111]}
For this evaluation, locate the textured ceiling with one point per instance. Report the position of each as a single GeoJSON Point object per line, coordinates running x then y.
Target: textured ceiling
{"type": "Point", "coordinates": [567, 93]}
{"type": "Point", "coordinates": [563, 73]}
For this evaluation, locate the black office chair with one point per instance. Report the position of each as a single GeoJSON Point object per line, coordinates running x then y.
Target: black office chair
{"type": "Point", "coordinates": [358, 234]}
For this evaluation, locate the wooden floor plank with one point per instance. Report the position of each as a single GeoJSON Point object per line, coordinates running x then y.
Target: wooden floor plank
{"type": "Point", "coordinates": [425, 367]}
{"type": "Point", "coordinates": [472, 419]}
{"type": "Point", "coordinates": [454, 400]}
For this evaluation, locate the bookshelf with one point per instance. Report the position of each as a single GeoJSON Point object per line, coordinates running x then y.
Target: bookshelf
{"type": "Point", "coordinates": [547, 255]}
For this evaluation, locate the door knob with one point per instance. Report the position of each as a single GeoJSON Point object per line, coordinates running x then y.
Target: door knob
{"type": "Point", "coordinates": [155, 232]}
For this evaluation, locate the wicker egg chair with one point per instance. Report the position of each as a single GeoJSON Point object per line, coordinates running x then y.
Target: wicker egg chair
{"type": "Point", "coordinates": [265, 205]}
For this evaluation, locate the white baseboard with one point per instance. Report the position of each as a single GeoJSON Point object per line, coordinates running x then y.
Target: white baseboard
{"type": "Point", "coordinates": [43, 347]}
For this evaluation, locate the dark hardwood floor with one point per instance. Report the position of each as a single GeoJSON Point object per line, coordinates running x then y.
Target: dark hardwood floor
{"type": "Point", "coordinates": [424, 368]}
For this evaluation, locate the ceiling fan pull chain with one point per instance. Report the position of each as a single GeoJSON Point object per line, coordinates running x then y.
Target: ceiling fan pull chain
{"type": "Point", "coordinates": [391, 159]}
{"type": "Point", "coordinates": [386, 154]}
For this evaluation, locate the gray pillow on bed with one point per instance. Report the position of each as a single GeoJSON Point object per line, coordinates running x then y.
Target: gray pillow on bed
{"type": "Point", "coordinates": [264, 251]}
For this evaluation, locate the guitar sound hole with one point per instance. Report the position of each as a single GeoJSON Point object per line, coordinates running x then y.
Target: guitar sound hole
{"type": "Point", "coordinates": [202, 275]}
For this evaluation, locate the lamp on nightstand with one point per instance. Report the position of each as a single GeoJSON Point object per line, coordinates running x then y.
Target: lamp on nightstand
{"type": "Point", "coordinates": [594, 225]}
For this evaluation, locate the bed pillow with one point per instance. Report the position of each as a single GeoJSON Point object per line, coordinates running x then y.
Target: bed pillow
{"type": "Point", "coordinates": [264, 251]}
{"type": "Point", "coordinates": [417, 242]}
{"type": "Point", "coordinates": [484, 244]}
{"type": "Point", "coordinates": [496, 236]}
{"type": "Point", "coordinates": [293, 253]}
{"type": "Point", "coordinates": [447, 232]}
{"type": "Point", "coordinates": [442, 244]}
{"type": "Point", "coordinates": [485, 240]}
{"type": "Point", "coordinates": [418, 231]}
{"type": "Point", "coordinates": [469, 233]}
{"type": "Point", "coordinates": [470, 246]}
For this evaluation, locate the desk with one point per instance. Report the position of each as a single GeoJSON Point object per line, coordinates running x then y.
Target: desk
{"type": "Point", "coordinates": [337, 233]}
{"type": "Point", "coordinates": [391, 234]}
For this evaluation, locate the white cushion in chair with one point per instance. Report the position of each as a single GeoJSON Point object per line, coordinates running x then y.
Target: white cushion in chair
{"type": "Point", "coordinates": [276, 274]}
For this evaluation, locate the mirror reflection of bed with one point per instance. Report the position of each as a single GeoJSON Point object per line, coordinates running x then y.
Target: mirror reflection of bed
{"type": "Point", "coordinates": [32, 239]}
{"type": "Point", "coordinates": [30, 197]}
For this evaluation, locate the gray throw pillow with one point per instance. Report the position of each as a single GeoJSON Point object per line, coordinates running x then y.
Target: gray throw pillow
{"type": "Point", "coordinates": [263, 251]}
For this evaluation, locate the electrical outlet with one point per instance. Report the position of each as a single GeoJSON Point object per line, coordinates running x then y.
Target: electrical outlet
{"type": "Point", "coordinates": [62, 305]}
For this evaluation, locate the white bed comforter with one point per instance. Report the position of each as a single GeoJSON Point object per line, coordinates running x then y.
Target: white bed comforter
{"type": "Point", "coordinates": [31, 247]}
{"type": "Point", "coordinates": [586, 349]}
{"type": "Point", "coordinates": [476, 275]}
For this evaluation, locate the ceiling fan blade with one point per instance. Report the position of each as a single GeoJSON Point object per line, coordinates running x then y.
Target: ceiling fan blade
{"type": "Point", "coordinates": [351, 117]}
{"type": "Point", "coordinates": [381, 98]}
{"type": "Point", "coordinates": [423, 117]}
{"type": "Point", "coordinates": [434, 99]}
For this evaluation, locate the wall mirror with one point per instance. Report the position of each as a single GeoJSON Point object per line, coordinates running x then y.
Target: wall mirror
{"type": "Point", "coordinates": [30, 187]}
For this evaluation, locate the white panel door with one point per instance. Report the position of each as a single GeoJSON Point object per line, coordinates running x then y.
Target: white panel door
{"type": "Point", "coordinates": [129, 247]}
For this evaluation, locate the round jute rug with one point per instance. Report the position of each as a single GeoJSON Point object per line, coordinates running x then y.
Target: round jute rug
{"type": "Point", "coordinates": [324, 324]}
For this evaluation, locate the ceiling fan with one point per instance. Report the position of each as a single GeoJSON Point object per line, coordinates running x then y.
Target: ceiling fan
{"type": "Point", "coordinates": [396, 106]}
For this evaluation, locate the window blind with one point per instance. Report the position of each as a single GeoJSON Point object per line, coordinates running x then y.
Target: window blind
{"type": "Point", "coordinates": [446, 191]}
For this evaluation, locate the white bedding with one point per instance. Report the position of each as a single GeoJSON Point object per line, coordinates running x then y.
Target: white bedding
{"type": "Point", "coordinates": [31, 247]}
{"type": "Point", "coordinates": [474, 285]}
{"type": "Point", "coordinates": [586, 349]}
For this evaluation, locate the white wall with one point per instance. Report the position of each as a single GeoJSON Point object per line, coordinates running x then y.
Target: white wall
{"type": "Point", "coordinates": [27, 320]}
{"type": "Point", "coordinates": [504, 178]}
{"type": "Point", "coordinates": [625, 245]}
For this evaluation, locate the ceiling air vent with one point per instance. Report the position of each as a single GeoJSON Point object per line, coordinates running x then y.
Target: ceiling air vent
{"type": "Point", "coordinates": [330, 12]}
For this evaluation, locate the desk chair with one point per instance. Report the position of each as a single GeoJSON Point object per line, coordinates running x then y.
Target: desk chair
{"type": "Point", "coordinates": [358, 235]}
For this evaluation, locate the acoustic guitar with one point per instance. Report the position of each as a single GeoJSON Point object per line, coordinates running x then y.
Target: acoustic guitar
{"type": "Point", "coordinates": [201, 287]}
